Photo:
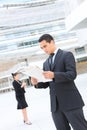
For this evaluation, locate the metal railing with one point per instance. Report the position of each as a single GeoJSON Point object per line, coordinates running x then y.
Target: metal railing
{"type": "Point", "coordinates": [12, 70]}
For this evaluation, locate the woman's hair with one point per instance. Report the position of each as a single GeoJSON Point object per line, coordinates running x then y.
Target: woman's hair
{"type": "Point", "coordinates": [14, 74]}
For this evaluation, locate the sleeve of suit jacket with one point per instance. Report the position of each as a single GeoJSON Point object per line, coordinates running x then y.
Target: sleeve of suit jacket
{"type": "Point", "coordinates": [42, 85]}
{"type": "Point", "coordinates": [70, 69]}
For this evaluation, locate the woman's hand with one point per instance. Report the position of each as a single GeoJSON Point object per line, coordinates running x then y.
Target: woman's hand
{"type": "Point", "coordinates": [23, 84]}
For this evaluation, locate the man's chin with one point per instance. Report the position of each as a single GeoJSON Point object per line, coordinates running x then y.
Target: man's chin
{"type": "Point", "coordinates": [48, 53]}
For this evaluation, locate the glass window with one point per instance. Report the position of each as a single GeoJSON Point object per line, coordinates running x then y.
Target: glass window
{"type": "Point", "coordinates": [80, 50]}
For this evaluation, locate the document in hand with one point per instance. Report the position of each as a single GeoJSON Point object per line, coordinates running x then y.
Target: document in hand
{"type": "Point", "coordinates": [36, 72]}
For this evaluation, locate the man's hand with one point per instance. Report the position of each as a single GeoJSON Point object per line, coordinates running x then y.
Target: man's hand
{"type": "Point", "coordinates": [48, 74]}
{"type": "Point", "coordinates": [34, 81]}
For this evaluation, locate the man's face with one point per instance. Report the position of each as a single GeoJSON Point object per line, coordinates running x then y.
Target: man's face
{"type": "Point", "coordinates": [47, 47]}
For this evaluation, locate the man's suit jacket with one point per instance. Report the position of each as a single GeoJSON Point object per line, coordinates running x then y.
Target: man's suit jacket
{"type": "Point", "coordinates": [63, 92]}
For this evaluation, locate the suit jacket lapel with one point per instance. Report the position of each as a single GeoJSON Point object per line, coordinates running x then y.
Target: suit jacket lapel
{"type": "Point", "coordinates": [59, 52]}
{"type": "Point", "coordinates": [47, 64]}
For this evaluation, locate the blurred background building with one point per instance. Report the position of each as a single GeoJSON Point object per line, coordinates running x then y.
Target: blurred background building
{"type": "Point", "coordinates": [23, 22]}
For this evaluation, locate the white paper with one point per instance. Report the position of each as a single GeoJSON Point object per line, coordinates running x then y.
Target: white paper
{"type": "Point", "coordinates": [36, 72]}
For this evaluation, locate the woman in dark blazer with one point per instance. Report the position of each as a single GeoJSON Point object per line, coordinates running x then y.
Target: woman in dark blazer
{"type": "Point", "coordinates": [20, 96]}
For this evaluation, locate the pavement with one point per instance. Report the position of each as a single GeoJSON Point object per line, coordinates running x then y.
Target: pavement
{"type": "Point", "coordinates": [38, 110]}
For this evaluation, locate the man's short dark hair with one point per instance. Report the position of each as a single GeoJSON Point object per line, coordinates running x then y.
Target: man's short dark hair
{"type": "Point", "coordinates": [46, 37]}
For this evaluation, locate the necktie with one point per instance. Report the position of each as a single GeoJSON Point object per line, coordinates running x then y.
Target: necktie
{"type": "Point", "coordinates": [51, 60]}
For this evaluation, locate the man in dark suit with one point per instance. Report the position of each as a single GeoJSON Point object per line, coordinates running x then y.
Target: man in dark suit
{"type": "Point", "coordinates": [66, 101]}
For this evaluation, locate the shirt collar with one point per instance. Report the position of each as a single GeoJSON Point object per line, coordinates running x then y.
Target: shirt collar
{"type": "Point", "coordinates": [55, 51]}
